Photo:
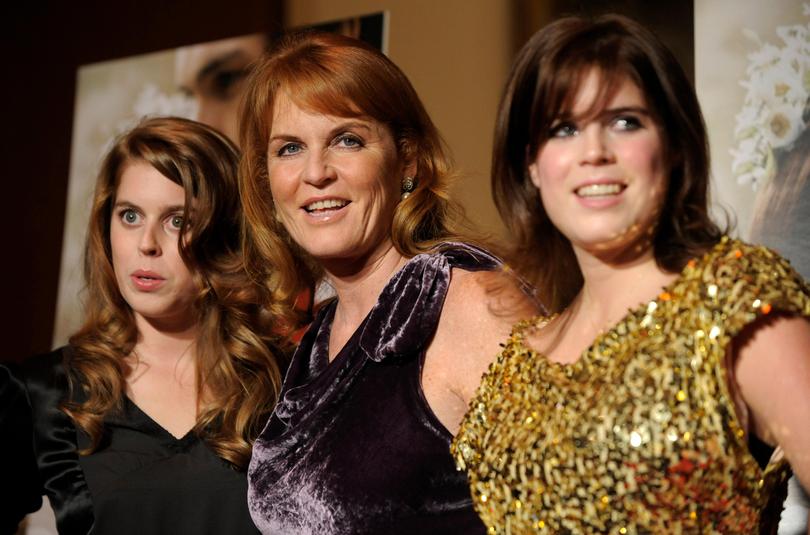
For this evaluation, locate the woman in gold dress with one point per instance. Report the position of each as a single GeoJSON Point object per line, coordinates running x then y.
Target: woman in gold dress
{"type": "Point", "coordinates": [670, 390]}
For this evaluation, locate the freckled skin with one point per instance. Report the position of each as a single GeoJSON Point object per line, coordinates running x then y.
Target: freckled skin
{"type": "Point", "coordinates": [315, 156]}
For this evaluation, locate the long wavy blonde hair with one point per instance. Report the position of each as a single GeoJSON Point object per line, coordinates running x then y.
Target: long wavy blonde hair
{"type": "Point", "coordinates": [238, 363]}
{"type": "Point", "coordinates": [337, 75]}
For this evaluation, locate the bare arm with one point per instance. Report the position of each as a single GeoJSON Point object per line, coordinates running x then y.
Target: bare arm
{"type": "Point", "coordinates": [773, 374]}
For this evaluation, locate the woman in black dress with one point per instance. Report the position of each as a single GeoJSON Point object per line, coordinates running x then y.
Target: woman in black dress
{"type": "Point", "coordinates": [344, 176]}
{"type": "Point", "coordinates": [144, 422]}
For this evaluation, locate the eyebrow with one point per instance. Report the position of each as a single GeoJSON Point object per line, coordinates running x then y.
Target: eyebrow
{"type": "Point", "coordinates": [641, 110]}
{"type": "Point", "coordinates": [164, 210]}
{"type": "Point", "coordinates": [340, 128]}
{"type": "Point", "coordinates": [626, 109]}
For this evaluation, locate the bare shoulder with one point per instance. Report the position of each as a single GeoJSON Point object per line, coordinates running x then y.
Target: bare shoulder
{"type": "Point", "coordinates": [488, 296]}
{"type": "Point", "coordinates": [479, 312]}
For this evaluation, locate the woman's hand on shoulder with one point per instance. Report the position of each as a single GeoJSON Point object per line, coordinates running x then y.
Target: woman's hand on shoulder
{"type": "Point", "coordinates": [479, 311]}
{"type": "Point", "coordinates": [772, 370]}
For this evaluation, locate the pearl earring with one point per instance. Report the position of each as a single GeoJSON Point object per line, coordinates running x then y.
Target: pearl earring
{"type": "Point", "coordinates": [408, 185]}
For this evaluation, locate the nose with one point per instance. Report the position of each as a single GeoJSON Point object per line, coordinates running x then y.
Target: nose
{"type": "Point", "coordinates": [317, 170]}
{"type": "Point", "coordinates": [596, 145]}
{"type": "Point", "coordinates": [149, 245]}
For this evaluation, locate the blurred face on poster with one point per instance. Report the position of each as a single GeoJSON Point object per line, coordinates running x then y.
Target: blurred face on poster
{"type": "Point", "coordinates": [213, 75]}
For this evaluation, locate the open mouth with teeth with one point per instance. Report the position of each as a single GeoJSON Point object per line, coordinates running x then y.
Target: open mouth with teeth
{"type": "Point", "coordinates": [325, 206]}
{"type": "Point", "coordinates": [600, 190]}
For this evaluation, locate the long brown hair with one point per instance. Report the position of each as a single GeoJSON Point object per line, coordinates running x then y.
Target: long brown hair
{"type": "Point", "coordinates": [238, 375]}
{"type": "Point", "coordinates": [543, 83]}
{"type": "Point", "coordinates": [337, 75]}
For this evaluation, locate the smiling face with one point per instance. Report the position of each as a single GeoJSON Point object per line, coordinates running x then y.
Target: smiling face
{"type": "Point", "coordinates": [335, 182]}
{"type": "Point", "coordinates": [602, 176]}
{"type": "Point", "coordinates": [144, 229]}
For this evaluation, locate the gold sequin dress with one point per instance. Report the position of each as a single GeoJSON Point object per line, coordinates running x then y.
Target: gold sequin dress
{"type": "Point", "coordinates": [640, 435]}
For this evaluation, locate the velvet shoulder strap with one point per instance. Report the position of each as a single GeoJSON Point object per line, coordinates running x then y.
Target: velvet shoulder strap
{"type": "Point", "coordinates": [407, 312]}
{"type": "Point", "coordinates": [400, 325]}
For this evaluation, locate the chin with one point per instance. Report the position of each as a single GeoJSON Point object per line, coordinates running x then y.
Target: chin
{"type": "Point", "coordinates": [151, 312]}
{"type": "Point", "coordinates": [330, 247]}
{"type": "Point", "coordinates": [334, 255]}
{"type": "Point", "coordinates": [626, 246]}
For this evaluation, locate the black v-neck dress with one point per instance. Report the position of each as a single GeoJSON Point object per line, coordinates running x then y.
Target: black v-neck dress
{"type": "Point", "coordinates": [142, 480]}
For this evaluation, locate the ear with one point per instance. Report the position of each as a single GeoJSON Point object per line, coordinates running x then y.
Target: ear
{"type": "Point", "coordinates": [534, 174]}
{"type": "Point", "coordinates": [410, 171]}
{"type": "Point", "coordinates": [409, 167]}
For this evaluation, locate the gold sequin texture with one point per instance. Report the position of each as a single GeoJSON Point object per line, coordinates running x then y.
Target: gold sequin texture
{"type": "Point", "coordinates": [640, 435]}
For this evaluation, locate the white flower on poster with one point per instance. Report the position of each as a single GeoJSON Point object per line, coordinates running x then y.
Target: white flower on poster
{"type": "Point", "coordinates": [775, 109]}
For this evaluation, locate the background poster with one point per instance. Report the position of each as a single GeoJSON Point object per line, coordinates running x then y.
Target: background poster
{"type": "Point", "coordinates": [202, 81]}
{"type": "Point", "coordinates": [752, 67]}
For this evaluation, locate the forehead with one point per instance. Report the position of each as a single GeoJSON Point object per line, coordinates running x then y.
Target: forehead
{"type": "Point", "coordinates": [285, 109]}
{"type": "Point", "coordinates": [316, 97]}
{"type": "Point", "coordinates": [289, 116]}
{"type": "Point", "coordinates": [142, 184]}
{"type": "Point", "coordinates": [595, 91]}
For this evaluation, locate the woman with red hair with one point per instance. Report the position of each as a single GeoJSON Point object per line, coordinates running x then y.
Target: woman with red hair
{"type": "Point", "coordinates": [344, 178]}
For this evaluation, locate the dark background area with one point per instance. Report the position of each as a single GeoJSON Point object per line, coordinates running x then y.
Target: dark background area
{"type": "Point", "coordinates": [673, 21]}
{"type": "Point", "coordinates": [43, 43]}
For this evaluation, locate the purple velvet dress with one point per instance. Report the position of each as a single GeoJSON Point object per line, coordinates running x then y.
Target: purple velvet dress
{"type": "Point", "coordinates": [353, 446]}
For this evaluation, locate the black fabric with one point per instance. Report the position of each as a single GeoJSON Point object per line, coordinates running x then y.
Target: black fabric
{"type": "Point", "coordinates": [21, 486]}
{"type": "Point", "coordinates": [55, 444]}
{"type": "Point", "coordinates": [141, 481]}
{"type": "Point", "coordinates": [761, 451]}
{"type": "Point", "coordinates": [353, 446]}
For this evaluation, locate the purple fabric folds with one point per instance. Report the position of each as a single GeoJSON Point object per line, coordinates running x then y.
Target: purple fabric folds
{"type": "Point", "coordinates": [353, 446]}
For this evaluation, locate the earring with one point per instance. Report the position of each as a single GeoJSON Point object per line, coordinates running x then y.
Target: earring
{"type": "Point", "coordinates": [408, 185]}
